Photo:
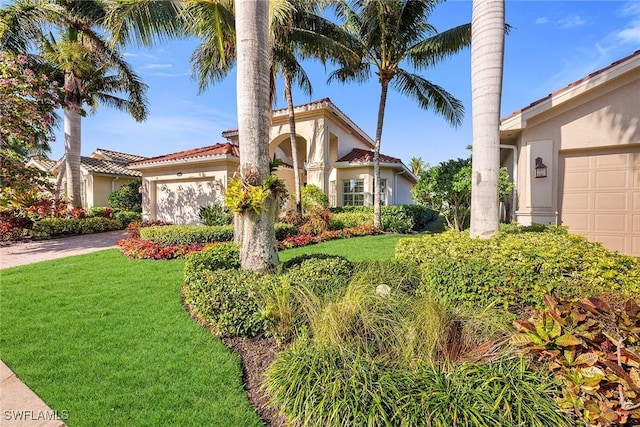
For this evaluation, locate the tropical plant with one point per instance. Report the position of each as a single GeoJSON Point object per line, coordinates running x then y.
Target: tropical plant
{"type": "Point", "coordinates": [127, 197]}
{"type": "Point", "coordinates": [90, 70]}
{"type": "Point", "coordinates": [487, 54]}
{"type": "Point", "coordinates": [386, 36]}
{"type": "Point", "coordinates": [418, 166]}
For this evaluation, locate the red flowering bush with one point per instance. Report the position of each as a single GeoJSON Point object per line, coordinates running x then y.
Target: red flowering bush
{"type": "Point", "coordinates": [13, 225]}
{"type": "Point", "coordinates": [142, 249]}
{"type": "Point", "coordinates": [345, 233]}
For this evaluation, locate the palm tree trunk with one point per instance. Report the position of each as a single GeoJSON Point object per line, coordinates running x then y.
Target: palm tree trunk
{"type": "Point", "coordinates": [72, 138]}
{"type": "Point", "coordinates": [258, 251]}
{"type": "Point", "coordinates": [293, 138]}
{"type": "Point", "coordinates": [487, 55]}
{"type": "Point", "coordinates": [377, 222]}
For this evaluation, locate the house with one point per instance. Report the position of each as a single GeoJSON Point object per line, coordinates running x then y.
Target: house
{"type": "Point", "coordinates": [333, 153]}
{"type": "Point", "coordinates": [102, 173]}
{"type": "Point", "coordinates": [574, 156]}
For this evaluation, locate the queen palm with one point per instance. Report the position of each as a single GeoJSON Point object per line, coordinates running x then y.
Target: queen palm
{"type": "Point", "coordinates": [388, 35]}
{"type": "Point", "coordinates": [90, 70]}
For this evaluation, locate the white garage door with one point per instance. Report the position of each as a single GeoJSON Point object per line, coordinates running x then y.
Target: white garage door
{"type": "Point", "coordinates": [179, 202]}
{"type": "Point", "coordinates": [601, 197]}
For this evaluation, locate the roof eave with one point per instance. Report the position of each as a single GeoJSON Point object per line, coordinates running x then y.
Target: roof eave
{"type": "Point", "coordinates": [175, 162]}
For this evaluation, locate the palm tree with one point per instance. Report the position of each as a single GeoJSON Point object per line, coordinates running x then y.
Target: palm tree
{"type": "Point", "coordinates": [258, 251]}
{"type": "Point", "coordinates": [389, 34]}
{"type": "Point", "coordinates": [417, 166]}
{"type": "Point", "coordinates": [487, 53]}
{"type": "Point", "coordinates": [89, 68]}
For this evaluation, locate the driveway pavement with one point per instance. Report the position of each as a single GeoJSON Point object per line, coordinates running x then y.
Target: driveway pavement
{"type": "Point", "coordinates": [19, 405]}
{"type": "Point", "coordinates": [42, 250]}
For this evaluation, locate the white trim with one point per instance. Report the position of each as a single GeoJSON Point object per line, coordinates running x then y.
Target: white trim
{"type": "Point", "coordinates": [190, 160]}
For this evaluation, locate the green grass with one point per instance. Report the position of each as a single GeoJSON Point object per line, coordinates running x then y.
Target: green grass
{"type": "Point", "coordinates": [356, 249]}
{"type": "Point", "coordinates": [106, 338]}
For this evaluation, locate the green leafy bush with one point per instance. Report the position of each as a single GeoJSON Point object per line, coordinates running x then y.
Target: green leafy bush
{"type": "Point", "coordinates": [228, 301]}
{"type": "Point", "coordinates": [316, 221]}
{"type": "Point", "coordinates": [517, 269]}
{"type": "Point", "coordinates": [342, 220]}
{"type": "Point", "coordinates": [134, 227]}
{"type": "Point", "coordinates": [127, 197]}
{"type": "Point", "coordinates": [99, 211]}
{"type": "Point", "coordinates": [187, 234]}
{"type": "Point", "coordinates": [215, 214]}
{"type": "Point", "coordinates": [284, 230]}
{"type": "Point", "coordinates": [593, 350]}
{"type": "Point", "coordinates": [50, 227]}
{"type": "Point", "coordinates": [312, 197]}
{"type": "Point", "coordinates": [215, 257]}
{"type": "Point", "coordinates": [127, 217]}
{"type": "Point", "coordinates": [325, 276]}
{"type": "Point", "coordinates": [395, 218]}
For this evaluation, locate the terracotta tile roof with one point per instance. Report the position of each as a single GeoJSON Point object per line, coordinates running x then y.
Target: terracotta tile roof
{"type": "Point", "coordinates": [106, 167]}
{"type": "Point", "coordinates": [571, 85]}
{"type": "Point", "coordinates": [117, 156]}
{"type": "Point", "coordinates": [358, 155]}
{"type": "Point", "coordinates": [45, 163]}
{"type": "Point", "coordinates": [224, 148]}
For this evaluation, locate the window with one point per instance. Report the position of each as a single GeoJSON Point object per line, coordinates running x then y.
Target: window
{"type": "Point", "coordinates": [333, 197]}
{"type": "Point", "coordinates": [383, 191]}
{"type": "Point", "coordinates": [353, 192]}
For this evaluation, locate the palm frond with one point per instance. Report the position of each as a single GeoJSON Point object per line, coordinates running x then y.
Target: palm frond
{"type": "Point", "coordinates": [429, 52]}
{"type": "Point", "coordinates": [429, 96]}
{"type": "Point", "coordinates": [355, 73]}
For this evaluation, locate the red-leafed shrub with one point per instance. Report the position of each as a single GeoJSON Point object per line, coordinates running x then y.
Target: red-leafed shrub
{"type": "Point", "coordinates": [307, 239]}
{"type": "Point", "coordinates": [142, 249]}
{"type": "Point", "coordinates": [12, 225]}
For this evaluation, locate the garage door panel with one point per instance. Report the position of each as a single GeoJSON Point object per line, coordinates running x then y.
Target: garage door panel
{"type": "Point", "coordinates": [636, 200]}
{"type": "Point", "coordinates": [636, 224]}
{"type": "Point", "coordinates": [577, 163]}
{"type": "Point", "coordinates": [179, 202]}
{"type": "Point", "coordinates": [616, 243]}
{"type": "Point", "coordinates": [576, 180]}
{"type": "Point", "coordinates": [579, 222]}
{"type": "Point", "coordinates": [611, 179]}
{"type": "Point", "coordinates": [611, 201]}
{"type": "Point", "coordinates": [611, 222]}
{"type": "Point", "coordinates": [578, 201]}
{"type": "Point", "coordinates": [611, 160]}
{"type": "Point", "coordinates": [635, 244]}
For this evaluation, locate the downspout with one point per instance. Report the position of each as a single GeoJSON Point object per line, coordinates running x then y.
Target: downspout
{"type": "Point", "coordinates": [514, 197]}
{"type": "Point", "coordinates": [113, 183]}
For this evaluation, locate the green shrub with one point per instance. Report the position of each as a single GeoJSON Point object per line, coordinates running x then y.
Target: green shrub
{"type": "Point", "coordinates": [517, 269]}
{"type": "Point", "coordinates": [187, 234]}
{"type": "Point", "coordinates": [312, 197]}
{"type": "Point", "coordinates": [127, 197]}
{"type": "Point", "coordinates": [127, 217]}
{"type": "Point", "coordinates": [395, 218]}
{"type": "Point", "coordinates": [342, 220]}
{"type": "Point", "coordinates": [324, 276]}
{"type": "Point", "coordinates": [215, 257]}
{"type": "Point", "coordinates": [215, 215]}
{"type": "Point", "coordinates": [284, 230]}
{"type": "Point", "coordinates": [402, 275]}
{"type": "Point", "coordinates": [99, 212]}
{"type": "Point", "coordinates": [50, 227]}
{"type": "Point", "coordinates": [316, 222]}
{"type": "Point", "coordinates": [227, 301]}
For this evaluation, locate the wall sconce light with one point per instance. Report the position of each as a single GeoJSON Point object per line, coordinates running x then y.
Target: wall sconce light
{"type": "Point", "coordinates": [541, 168]}
{"type": "Point", "coordinates": [180, 173]}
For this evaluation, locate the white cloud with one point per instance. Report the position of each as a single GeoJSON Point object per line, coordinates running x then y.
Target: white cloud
{"type": "Point", "coordinates": [156, 66]}
{"type": "Point", "coordinates": [571, 21]}
{"type": "Point", "coordinates": [162, 74]}
{"type": "Point", "coordinates": [542, 20]}
{"type": "Point", "coordinates": [630, 34]}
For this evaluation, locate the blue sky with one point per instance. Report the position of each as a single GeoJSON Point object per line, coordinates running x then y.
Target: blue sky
{"type": "Point", "coordinates": [552, 44]}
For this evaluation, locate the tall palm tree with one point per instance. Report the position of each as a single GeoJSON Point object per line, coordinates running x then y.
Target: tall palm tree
{"type": "Point", "coordinates": [417, 166]}
{"type": "Point", "coordinates": [258, 251]}
{"type": "Point", "coordinates": [388, 35]}
{"type": "Point", "coordinates": [487, 54]}
{"type": "Point", "coordinates": [90, 70]}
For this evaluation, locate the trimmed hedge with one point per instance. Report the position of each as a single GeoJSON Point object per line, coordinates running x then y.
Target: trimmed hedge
{"type": "Point", "coordinates": [515, 269]}
{"type": "Point", "coordinates": [187, 234]}
{"type": "Point", "coordinates": [214, 257]}
{"type": "Point", "coordinates": [228, 301]}
{"type": "Point", "coordinates": [395, 218]}
{"type": "Point", "coordinates": [324, 275]}
{"type": "Point", "coordinates": [127, 217]}
{"type": "Point", "coordinates": [284, 230]}
{"type": "Point", "coordinates": [50, 227]}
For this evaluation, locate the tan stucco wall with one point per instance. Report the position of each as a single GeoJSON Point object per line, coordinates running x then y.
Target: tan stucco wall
{"type": "Point", "coordinates": [102, 186]}
{"type": "Point", "coordinates": [607, 116]}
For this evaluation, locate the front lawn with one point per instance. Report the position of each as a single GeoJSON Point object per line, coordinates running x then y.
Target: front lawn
{"type": "Point", "coordinates": [106, 338]}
